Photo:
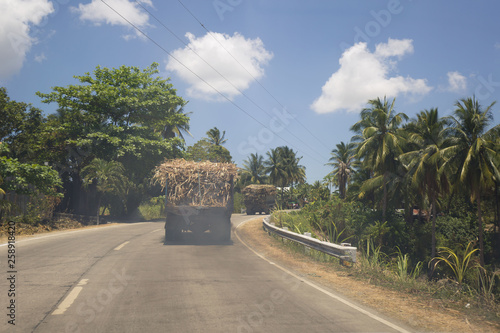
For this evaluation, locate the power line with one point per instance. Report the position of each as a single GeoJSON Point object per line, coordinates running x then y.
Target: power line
{"type": "Point", "coordinates": [195, 74]}
{"type": "Point", "coordinates": [221, 75]}
{"type": "Point", "coordinates": [253, 77]}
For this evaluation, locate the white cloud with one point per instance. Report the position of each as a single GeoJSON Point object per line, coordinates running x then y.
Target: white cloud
{"type": "Point", "coordinates": [364, 75]}
{"type": "Point", "coordinates": [456, 82]}
{"type": "Point", "coordinates": [16, 18]}
{"type": "Point", "coordinates": [251, 54]}
{"type": "Point", "coordinates": [97, 12]}
{"type": "Point", "coordinates": [40, 58]}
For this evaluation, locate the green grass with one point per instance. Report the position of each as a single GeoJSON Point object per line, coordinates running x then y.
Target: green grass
{"type": "Point", "coordinates": [151, 210]}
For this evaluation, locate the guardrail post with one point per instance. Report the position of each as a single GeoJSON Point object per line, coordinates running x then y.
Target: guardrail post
{"type": "Point", "coordinates": [307, 249]}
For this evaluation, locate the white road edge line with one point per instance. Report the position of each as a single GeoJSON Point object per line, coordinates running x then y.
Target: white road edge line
{"type": "Point", "coordinates": [70, 298]}
{"type": "Point", "coordinates": [326, 292]}
{"type": "Point", "coordinates": [119, 247]}
{"type": "Point", "coordinates": [68, 232]}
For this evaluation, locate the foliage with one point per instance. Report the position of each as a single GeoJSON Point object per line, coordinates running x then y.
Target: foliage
{"type": "Point", "coordinates": [380, 141]}
{"type": "Point", "coordinates": [238, 203]}
{"type": "Point", "coordinates": [124, 114]}
{"type": "Point", "coordinates": [215, 137]}
{"type": "Point", "coordinates": [23, 178]}
{"type": "Point", "coordinates": [253, 170]}
{"type": "Point", "coordinates": [283, 168]}
{"type": "Point", "coordinates": [459, 263]}
{"type": "Point", "coordinates": [473, 153]}
{"type": "Point", "coordinates": [342, 161]}
{"type": "Point", "coordinates": [203, 150]}
{"type": "Point", "coordinates": [403, 264]}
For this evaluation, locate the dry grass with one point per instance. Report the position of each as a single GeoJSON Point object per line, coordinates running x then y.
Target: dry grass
{"type": "Point", "coordinates": [422, 313]}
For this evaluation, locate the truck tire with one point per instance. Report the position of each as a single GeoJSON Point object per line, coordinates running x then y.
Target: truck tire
{"type": "Point", "coordinates": [173, 229]}
{"type": "Point", "coordinates": [222, 231]}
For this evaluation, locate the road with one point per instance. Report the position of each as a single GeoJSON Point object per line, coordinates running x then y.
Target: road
{"type": "Point", "coordinates": [125, 279]}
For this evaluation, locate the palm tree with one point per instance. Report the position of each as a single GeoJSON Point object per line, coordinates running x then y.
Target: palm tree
{"type": "Point", "coordinates": [295, 172]}
{"type": "Point", "coordinates": [473, 153]}
{"type": "Point", "coordinates": [177, 123]}
{"type": "Point", "coordinates": [342, 160]}
{"type": "Point", "coordinates": [380, 141]}
{"type": "Point", "coordinates": [275, 169]}
{"type": "Point", "coordinates": [108, 177]}
{"type": "Point", "coordinates": [215, 137]}
{"type": "Point", "coordinates": [254, 169]}
{"type": "Point", "coordinates": [427, 136]}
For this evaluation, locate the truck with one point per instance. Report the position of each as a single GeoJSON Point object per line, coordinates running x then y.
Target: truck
{"type": "Point", "coordinates": [259, 198]}
{"type": "Point", "coordinates": [198, 198]}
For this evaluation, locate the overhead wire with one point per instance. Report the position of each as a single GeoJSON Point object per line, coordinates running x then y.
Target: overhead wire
{"type": "Point", "coordinates": [199, 77]}
{"type": "Point", "coordinates": [253, 77]}
{"type": "Point", "coordinates": [227, 80]}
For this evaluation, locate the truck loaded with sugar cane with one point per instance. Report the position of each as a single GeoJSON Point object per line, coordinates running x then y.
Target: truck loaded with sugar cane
{"type": "Point", "coordinates": [199, 197]}
{"type": "Point", "coordinates": [259, 198]}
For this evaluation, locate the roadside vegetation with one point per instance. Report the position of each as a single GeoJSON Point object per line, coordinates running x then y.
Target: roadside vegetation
{"type": "Point", "coordinates": [419, 197]}
{"type": "Point", "coordinates": [95, 155]}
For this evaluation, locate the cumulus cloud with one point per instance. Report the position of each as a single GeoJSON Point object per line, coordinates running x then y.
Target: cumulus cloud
{"type": "Point", "coordinates": [365, 75]}
{"type": "Point", "coordinates": [98, 13]}
{"type": "Point", "coordinates": [456, 82]}
{"type": "Point", "coordinates": [16, 19]}
{"type": "Point", "coordinates": [250, 53]}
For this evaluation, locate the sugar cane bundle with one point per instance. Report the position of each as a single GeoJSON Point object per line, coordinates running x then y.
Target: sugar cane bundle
{"type": "Point", "coordinates": [258, 194]}
{"type": "Point", "coordinates": [196, 183]}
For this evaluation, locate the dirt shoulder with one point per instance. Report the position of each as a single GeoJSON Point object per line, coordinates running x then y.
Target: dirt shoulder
{"type": "Point", "coordinates": [28, 231]}
{"type": "Point", "coordinates": [423, 314]}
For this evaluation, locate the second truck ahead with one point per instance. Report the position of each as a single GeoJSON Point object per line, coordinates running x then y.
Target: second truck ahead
{"type": "Point", "coordinates": [259, 198]}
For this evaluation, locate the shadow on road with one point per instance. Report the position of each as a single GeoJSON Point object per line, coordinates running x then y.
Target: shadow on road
{"type": "Point", "coordinates": [203, 239]}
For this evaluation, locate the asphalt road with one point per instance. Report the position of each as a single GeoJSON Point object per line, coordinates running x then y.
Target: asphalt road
{"type": "Point", "coordinates": [124, 278]}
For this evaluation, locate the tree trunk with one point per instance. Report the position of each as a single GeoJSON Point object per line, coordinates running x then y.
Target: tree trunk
{"type": "Point", "coordinates": [497, 218]}
{"type": "Point", "coordinates": [480, 228]}
{"type": "Point", "coordinates": [384, 200]}
{"type": "Point", "coordinates": [433, 246]}
{"type": "Point", "coordinates": [98, 206]}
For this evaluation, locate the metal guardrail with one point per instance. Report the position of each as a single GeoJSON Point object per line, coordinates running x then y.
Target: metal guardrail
{"type": "Point", "coordinates": [343, 252]}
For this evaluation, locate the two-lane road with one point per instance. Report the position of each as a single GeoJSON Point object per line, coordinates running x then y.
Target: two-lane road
{"type": "Point", "coordinates": [125, 279]}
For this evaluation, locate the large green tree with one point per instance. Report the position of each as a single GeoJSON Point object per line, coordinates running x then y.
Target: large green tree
{"type": "Point", "coordinates": [380, 141]}
{"type": "Point", "coordinates": [123, 114]}
{"type": "Point", "coordinates": [473, 153]}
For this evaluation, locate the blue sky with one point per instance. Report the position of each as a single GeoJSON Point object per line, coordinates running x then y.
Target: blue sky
{"type": "Point", "coordinates": [304, 69]}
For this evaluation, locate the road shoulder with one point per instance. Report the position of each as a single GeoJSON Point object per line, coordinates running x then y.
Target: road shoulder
{"type": "Point", "coordinates": [420, 314]}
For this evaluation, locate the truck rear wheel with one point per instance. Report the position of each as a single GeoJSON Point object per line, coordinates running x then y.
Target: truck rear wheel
{"type": "Point", "coordinates": [221, 231]}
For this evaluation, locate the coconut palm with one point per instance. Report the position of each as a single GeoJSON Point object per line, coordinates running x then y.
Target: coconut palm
{"type": "Point", "coordinates": [254, 169]}
{"type": "Point", "coordinates": [177, 123]}
{"type": "Point", "coordinates": [276, 170]}
{"type": "Point", "coordinates": [342, 161]}
{"type": "Point", "coordinates": [427, 137]}
{"type": "Point", "coordinates": [295, 172]}
{"type": "Point", "coordinates": [215, 137]}
{"type": "Point", "coordinates": [107, 176]}
{"type": "Point", "coordinates": [380, 141]}
{"type": "Point", "coordinates": [473, 152]}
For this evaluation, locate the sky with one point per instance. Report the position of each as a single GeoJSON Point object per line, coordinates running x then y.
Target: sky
{"type": "Point", "coordinates": [268, 73]}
